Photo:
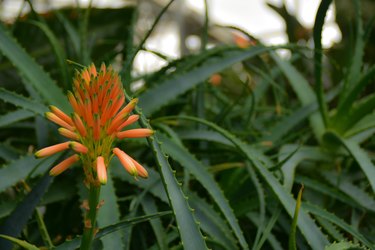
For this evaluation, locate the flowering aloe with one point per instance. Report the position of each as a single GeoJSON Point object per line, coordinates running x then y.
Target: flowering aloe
{"type": "Point", "coordinates": [99, 116]}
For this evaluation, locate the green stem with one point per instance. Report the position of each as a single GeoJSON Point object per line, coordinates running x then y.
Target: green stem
{"type": "Point", "coordinates": [90, 218]}
{"type": "Point", "coordinates": [43, 230]}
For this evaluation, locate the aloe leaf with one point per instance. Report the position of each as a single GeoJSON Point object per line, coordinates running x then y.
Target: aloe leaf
{"type": "Point", "coordinates": [303, 153]}
{"type": "Point", "coordinates": [57, 48]}
{"type": "Point", "coordinates": [8, 153]}
{"type": "Point", "coordinates": [191, 237]}
{"type": "Point", "coordinates": [70, 30]}
{"type": "Point", "coordinates": [262, 205]}
{"type": "Point", "coordinates": [350, 98]}
{"type": "Point", "coordinates": [270, 237]}
{"type": "Point", "coordinates": [109, 214]}
{"type": "Point", "coordinates": [336, 221]}
{"type": "Point", "coordinates": [73, 244]}
{"type": "Point", "coordinates": [154, 185]}
{"type": "Point", "coordinates": [35, 75]}
{"type": "Point", "coordinates": [348, 194]}
{"type": "Point", "coordinates": [318, 28]}
{"type": "Point", "coordinates": [331, 229]}
{"type": "Point", "coordinates": [343, 245]}
{"type": "Point", "coordinates": [17, 170]}
{"type": "Point", "coordinates": [309, 229]}
{"type": "Point", "coordinates": [22, 102]}
{"type": "Point", "coordinates": [166, 91]}
{"type": "Point", "coordinates": [204, 134]}
{"type": "Point", "coordinates": [345, 185]}
{"type": "Point", "coordinates": [212, 222]}
{"type": "Point", "coordinates": [364, 124]}
{"type": "Point", "coordinates": [365, 106]}
{"type": "Point", "coordinates": [21, 243]}
{"type": "Point", "coordinates": [360, 157]}
{"type": "Point", "coordinates": [187, 160]}
{"type": "Point", "coordinates": [149, 206]}
{"type": "Point", "coordinates": [303, 91]}
{"type": "Point", "coordinates": [15, 116]}
{"type": "Point", "coordinates": [356, 59]}
{"type": "Point", "coordinates": [14, 224]}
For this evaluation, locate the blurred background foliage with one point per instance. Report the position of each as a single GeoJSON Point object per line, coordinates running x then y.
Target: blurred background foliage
{"type": "Point", "coordinates": [244, 127]}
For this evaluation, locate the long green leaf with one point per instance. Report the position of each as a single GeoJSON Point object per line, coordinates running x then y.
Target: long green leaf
{"type": "Point", "coordinates": [360, 157]}
{"type": "Point", "coordinates": [14, 224]}
{"type": "Point", "coordinates": [356, 59]}
{"type": "Point", "coordinates": [22, 102]}
{"type": "Point", "coordinates": [35, 75]}
{"type": "Point", "coordinates": [149, 206]}
{"type": "Point", "coordinates": [187, 160]}
{"type": "Point", "coordinates": [191, 237]}
{"type": "Point", "coordinates": [154, 185]}
{"type": "Point", "coordinates": [309, 229]}
{"type": "Point", "coordinates": [109, 214]}
{"type": "Point", "coordinates": [303, 153]}
{"type": "Point", "coordinates": [303, 91]}
{"type": "Point", "coordinates": [57, 48]}
{"type": "Point", "coordinates": [165, 92]}
{"type": "Point", "coordinates": [318, 28]}
{"type": "Point", "coordinates": [15, 116]}
{"type": "Point", "coordinates": [337, 221]}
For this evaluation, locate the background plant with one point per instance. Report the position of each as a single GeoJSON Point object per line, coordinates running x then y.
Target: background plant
{"type": "Point", "coordinates": [227, 160]}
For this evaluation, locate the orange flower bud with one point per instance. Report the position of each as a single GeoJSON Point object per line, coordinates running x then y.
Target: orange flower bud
{"type": "Point", "coordinates": [126, 161]}
{"type": "Point", "coordinates": [54, 118]}
{"type": "Point", "coordinates": [135, 133]}
{"type": "Point", "coordinates": [64, 165]}
{"type": "Point", "coordinates": [101, 170]}
{"type": "Point", "coordinates": [68, 134]}
{"type": "Point", "coordinates": [52, 149]}
{"type": "Point", "coordinates": [78, 147]}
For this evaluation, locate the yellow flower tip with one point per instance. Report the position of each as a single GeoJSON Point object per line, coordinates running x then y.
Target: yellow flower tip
{"type": "Point", "coordinates": [52, 150]}
{"type": "Point", "coordinates": [126, 162]}
{"type": "Point", "coordinates": [135, 133]}
{"type": "Point", "coordinates": [64, 165]}
{"type": "Point", "coordinates": [78, 147]}
{"type": "Point", "coordinates": [101, 170]}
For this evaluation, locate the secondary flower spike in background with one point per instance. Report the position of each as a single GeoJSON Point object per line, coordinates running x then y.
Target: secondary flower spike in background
{"type": "Point", "coordinates": [98, 118]}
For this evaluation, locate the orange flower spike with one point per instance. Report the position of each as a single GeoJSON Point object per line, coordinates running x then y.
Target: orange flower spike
{"type": "Point", "coordinates": [54, 118]}
{"type": "Point", "coordinates": [68, 134]}
{"type": "Point", "coordinates": [126, 162]}
{"type": "Point", "coordinates": [78, 147]}
{"type": "Point", "coordinates": [79, 125]}
{"type": "Point", "coordinates": [61, 115]}
{"type": "Point", "coordinates": [97, 100]}
{"type": "Point", "coordinates": [64, 165]}
{"type": "Point", "coordinates": [132, 119]}
{"type": "Point", "coordinates": [51, 150]}
{"type": "Point", "coordinates": [135, 133]}
{"type": "Point", "coordinates": [101, 170]}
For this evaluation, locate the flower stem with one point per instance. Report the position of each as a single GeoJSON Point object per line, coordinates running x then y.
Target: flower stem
{"type": "Point", "coordinates": [90, 218]}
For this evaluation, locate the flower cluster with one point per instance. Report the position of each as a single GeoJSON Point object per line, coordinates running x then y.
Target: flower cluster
{"type": "Point", "coordinates": [97, 121]}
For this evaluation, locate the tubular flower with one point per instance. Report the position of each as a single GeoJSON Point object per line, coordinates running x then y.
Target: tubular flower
{"type": "Point", "coordinates": [98, 117]}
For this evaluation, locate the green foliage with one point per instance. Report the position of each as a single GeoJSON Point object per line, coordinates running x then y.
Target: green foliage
{"type": "Point", "coordinates": [227, 158]}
